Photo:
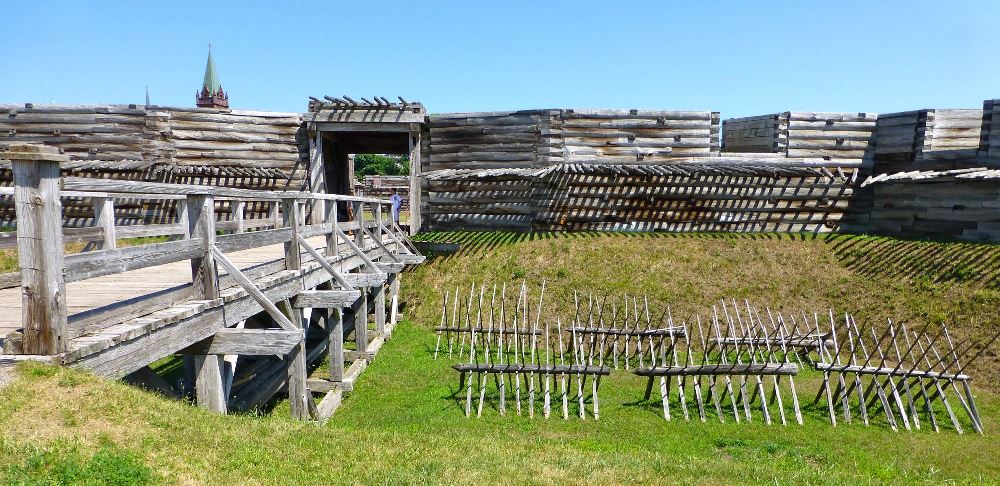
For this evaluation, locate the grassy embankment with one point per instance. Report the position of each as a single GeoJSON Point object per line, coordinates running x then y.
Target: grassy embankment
{"type": "Point", "coordinates": [404, 422]}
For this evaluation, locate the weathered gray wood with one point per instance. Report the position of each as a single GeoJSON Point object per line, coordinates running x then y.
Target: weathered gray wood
{"type": "Point", "coordinates": [335, 323]}
{"type": "Point", "coordinates": [254, 292]}
{"type": "Point", "coordinates": [247, 342]}
{"type": "Point", "coordinates": [99, 318]}
{"type": "Point", "coordinates": [360, 308]}
{"type": "Point", "coordinates": [300, 400]}
{"type": "Point", "coordinates": [416, 169]}
{"type": "Point", "coordinates": [359, 280]}
{"type": "Point", "coordinates": [104, 218]}
{"type": "Point", "coordinates": [209, 389]}
{"type": "Point", "coordinates": [201, 226]}
{"type": "Point", "coordinates": [326, 298]}
{"type": "Point", "coordinates": [292, 219]}
{"type": "Point", "coordinates": [323, 262]}
{"type": "Point", "coordinates": [81, 266]}
{"type": "Point", "coordinates": [40, 247]}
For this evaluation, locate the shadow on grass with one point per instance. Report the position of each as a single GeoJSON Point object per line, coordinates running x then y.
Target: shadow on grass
{"type": "Point", "coordinates": [932, 261]}
{"type": "Point", "coordinates": [922, 260]}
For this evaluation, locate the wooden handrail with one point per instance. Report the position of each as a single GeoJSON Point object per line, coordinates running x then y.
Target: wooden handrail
{"type": "Point", "coordinates": [107, 187]}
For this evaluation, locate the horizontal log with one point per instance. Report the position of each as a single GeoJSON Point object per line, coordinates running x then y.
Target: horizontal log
{"type": "Point", "coordinates": [82, 266]}
{"type": "Point", "coordinates": [326, 298]}
{"type": "Point", "coordinates": [720, 369]}
{"type": "Point", "coordinates": [247, 342]}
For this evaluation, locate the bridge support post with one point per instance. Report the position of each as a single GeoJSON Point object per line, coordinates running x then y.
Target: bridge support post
{"type": "Point", "coordinates": [40, 246]}
{"type": "Point", "coordinates": [209, 387]}
{"type": "Point", "coordinates": [378, 293]}
{"type": "Point", "coordinates": [299, 397]}
{"type": "Point", "coordinates": [361, 306]}
{"type": "Point", "coordinates": [393, 284]}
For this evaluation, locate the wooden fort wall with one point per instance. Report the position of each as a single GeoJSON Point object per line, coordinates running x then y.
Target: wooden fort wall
{"type": "Point", "coordinates": [563, 169]}
{"type": "Point", "coordinates": [131, 141]}
{"type": "Point", "coordinates": [647, 171]}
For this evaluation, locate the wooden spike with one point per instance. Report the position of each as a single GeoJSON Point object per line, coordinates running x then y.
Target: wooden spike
{"type": "Point", "coordinates": [444, 323]}
{"type": "Point", "coordinates": [562, 361]}
{"type": "Point", "coordinates": [725, 360]}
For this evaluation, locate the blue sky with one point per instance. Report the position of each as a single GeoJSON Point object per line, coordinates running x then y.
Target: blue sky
{"type": "Point", "coordinates": [740, 58]}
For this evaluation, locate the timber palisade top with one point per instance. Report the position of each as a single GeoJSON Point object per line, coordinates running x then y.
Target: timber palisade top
{"type": "Point", "coordinates": [252, 301]}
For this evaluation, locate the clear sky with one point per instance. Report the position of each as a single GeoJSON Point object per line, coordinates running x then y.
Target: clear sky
{"type": "Point", "coordinates": [740, 58]}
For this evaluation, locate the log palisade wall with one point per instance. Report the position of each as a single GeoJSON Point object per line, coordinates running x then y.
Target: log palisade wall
{"type": "Point", "coordinates": [516, 142]}
{"type": "Point", "coordinates": [240, 143]}
{"type": "Point", "coordinates": [563, 169]}
{"type": "Point", "coordinates": [802, 134]}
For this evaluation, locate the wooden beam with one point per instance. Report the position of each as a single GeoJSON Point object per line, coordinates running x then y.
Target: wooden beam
{"type": "Point", "coordinates": [40, 247]}
{"type": "Point", "coordinates": [247, 342]}
{"type": "Point", "coordinates": [201, 225]}
{"type": "Point", "coordinates": [415, 182]}
{"type": "Point", "coordinates": [323, 262]}
{"type": "Point", "coordinates": [209, 388]}
{"type": "Point", "coordinates": [104, 218]}
{"type": "Point", "coordinates": [254, 292]}
{"type": "Point", "coordinates": [326, 298]}
{"type": "Point", "coordinates": [359, 280]}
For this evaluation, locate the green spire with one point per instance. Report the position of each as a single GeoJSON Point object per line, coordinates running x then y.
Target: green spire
{"type": "Point", "coordinates": [211, 82]}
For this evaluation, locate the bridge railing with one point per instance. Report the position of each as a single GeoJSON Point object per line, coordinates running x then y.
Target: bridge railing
{"type": "Point", "coordinates": [198, 232]}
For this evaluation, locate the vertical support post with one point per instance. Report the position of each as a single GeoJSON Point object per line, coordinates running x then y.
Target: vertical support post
{"type": "Point", "coordinates": [201, 224]}
{"type": "Point", "coordinates": [210, 386]}
{"type": "Point", "coordinates": [291, 220]}
{"type": "Point", "coordinates": [317, 176]}
{"type": "Point", "coordinates": [361, 305]}
{"type": "Point", "coordinates": [236, 209]}
{"type": "Point", "coordinates": [336, 324]}
{"type": "Point", "coordinates": [332, 241]}
{"type": "Point", "coordinates": [378, 293]}
{"type": "Point", "coordinates": [393, 282]}
{"type": "Point", "coordinates": [359, 216]}
{"type": "Point", "coordinates": [360, 308]}
{"type": "Point", "coordinates": [275, 216]}
{"type": "Point", "coordinates": [298, 394]}
{"type": "Point", "coordinates": [40, 247]}
{"type": "Point", "coordinates": [208, 377]}
{"type": "Point", "coordinates": [104, 218]}
{"type": "Point", "coordinates": [415, 182]}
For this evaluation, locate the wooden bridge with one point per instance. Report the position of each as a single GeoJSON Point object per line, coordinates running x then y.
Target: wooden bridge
{"type": "Point", "coordinates": [252, 304]}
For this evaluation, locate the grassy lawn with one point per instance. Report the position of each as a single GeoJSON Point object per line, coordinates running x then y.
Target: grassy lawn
{"type": "Point", "coordinates": [405, 424]}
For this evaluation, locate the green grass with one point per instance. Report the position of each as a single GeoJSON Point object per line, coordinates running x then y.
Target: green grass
{"type": "Point", "coordinates": [404, 423]}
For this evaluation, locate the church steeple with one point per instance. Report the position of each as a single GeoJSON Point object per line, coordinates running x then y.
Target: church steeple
{"type": "Point", "coordinates": [211, 94]}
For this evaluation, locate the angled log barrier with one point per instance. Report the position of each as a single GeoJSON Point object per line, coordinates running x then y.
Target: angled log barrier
{"type": "Point", "coordinates": [741, 364]}
{"type": "Point", "coordinates": [299, 299]}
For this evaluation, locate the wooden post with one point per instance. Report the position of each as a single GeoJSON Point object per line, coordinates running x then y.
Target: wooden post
{"type": "Point", "coordinates": [104, 218]}
{"type": "Point", "coordinates": [210, 387]}
{"type": "Point", "coordinates": [236, 209]}
{"type": "Point", "coordinates": [393, 284]}
{"type": "Point", "coordinates": [201, 224]}
{"type": "Point", "coordinates": [415, 172]}
{"type": "Point", "coordinates": [335, 322]}
{"type": "Point", "coordinates": [361, 306]}
{"type": "Point", "coordinates": [378, 293]}
{"type": "Point", "coordinates": [208, 377]}
{"type": "Point", "coordinates": [40, 246]}
{"type": "Point", "coordinates": [292, 219]}
{"type": "Point", "coordinates": [317, 177]}
{"type": "Point", "coordinates": [298, 395]}
{"type": "Point", "coordinates": [359, 216]}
